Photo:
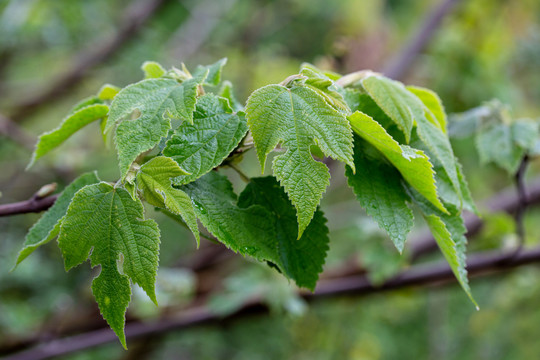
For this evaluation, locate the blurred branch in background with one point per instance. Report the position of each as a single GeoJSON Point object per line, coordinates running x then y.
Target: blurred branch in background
{"type": "Point", "coordinates": [136, 17]}
{"type": "Point", "coordinates": [12, 131]}
{"type": "Point", "coordinates": [204, 17]}
{"type": "Point", "coordinates": [478, 265]}
{"type": "Point", "coordinates": [398, 67]}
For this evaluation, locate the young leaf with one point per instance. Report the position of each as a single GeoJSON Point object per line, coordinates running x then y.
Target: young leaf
{"type": "Point", "coordinates": [48, 226]}
{"type": "Point", "coordinates": [524, 133]}
{"type": "Point", "coordinates": [154, 180]}
{"type": "Point", "coordinates": [214, 72]}
{"type": "Point", "coordinates": [244, 230]}
{"type": "Point", "coordinates": [413, 164]}
{"type": "Point", "coordinates": [227, 92]}
{"type": "Point", "coordinates": [157, 101]}
{"type": "Point", "coordinates": [496, 144]}
{"type": "Point", "coordinates": [398, 103]}
{"type": "Point", "coordinates": [299, 118]}
{"type": "Point", "coordinates": [108, 92]}
{"type": "Point", "coordinates": [300, 260]}
{"type": "Point", "coordinates": [70, 125]}
{"type": "Point", "coordinates": [325, 87]}
{"type": "Point", "coordinates": [216, 131]}
{"type": "Point", "coordinates": [152, 70]}
{"type": "Point", "coordinates": [378, 188]}
{"type": "Point", "coordinates": [106, 223]}
{"type": "Point", "coordinates": [433, 106]}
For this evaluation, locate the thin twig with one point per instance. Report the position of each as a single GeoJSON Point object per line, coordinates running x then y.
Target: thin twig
{"type": "Point", "coordinates": [239, 171]}
{"type": "Point", "coordinates": [398, 67]}
{"type": "Point", "coordinates": [137, 15]}
{"type": "Point", "coordinates": [478, 265]}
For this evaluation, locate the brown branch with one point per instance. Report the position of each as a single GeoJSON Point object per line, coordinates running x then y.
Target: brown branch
{"type": "Point", "coordinates": [137, 15]}
{"type": "Point", "coordinates": [398, 67]}
{"type": "Point", "coordinates": [479, 264]}
{"type": "Point", "coordinates": [38, 202]}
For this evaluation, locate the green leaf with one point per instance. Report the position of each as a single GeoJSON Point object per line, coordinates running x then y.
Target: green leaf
{"type": "Point", "coordinates": [324, 86]}
{"type": "Point", "coordinates": [448, 230]}
{"type": "Point", "coordinates": [216, 131]}
{"type": "Point", "coordinates": [154, 180]}
{"type": "Point", "coordinates": [227, 92]}
{"type": "Point", "coordinates": [413, 164]}
{"type": "Point", "coordinates": [378, 188]}
{"type": "Point", "coordinates": [453, 251]}
{"type": "Point", "coordinates": [524, 133]}
{"type": "Point", "coordinates": [152, 70]}
{"type": "Point", "coordinates": [106, 224]}
{"type": "Point", "coordinates": [301, 260]}
{"type": "Point", "coordinates": [108, 92]}
{"type": "Point", "coordinates": [496, 144]}
{"type": "Point", "coordinates": [299, 118]}
{"type": "Point", "coordinates": [70, 125]}
{"type": "Point", "coordinates": [439, 147]}
{"type": "Point", "coordinates": [247, 231]}
{"type": "Point", "coordinates": [214, 72]}
{"type": "Point", "coordinates": [157, 101]}
{"type": "Point", "coordinates": [433, 106]}
{"type": "Point", "coordinates": [398, 103]}
{"type": "Point", "coordinates": [48, 226]}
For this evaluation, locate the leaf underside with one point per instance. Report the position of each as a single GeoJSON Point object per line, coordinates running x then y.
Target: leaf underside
{"type": "Point", "coordinates": [378, 188]}
{"type": "Point", "coordinates": [261, 224]}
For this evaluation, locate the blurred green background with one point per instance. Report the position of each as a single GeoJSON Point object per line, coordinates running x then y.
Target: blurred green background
{"type": "Point", "coordinates": [483, 49]}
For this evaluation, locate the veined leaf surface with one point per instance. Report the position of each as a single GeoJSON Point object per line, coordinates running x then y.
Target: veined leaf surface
{"type": "Point", "coordinates": [413, 164]}
{"type": "Point", "coordinates": [48, 226]}
{"type": "Point", "coordinates": [157, 101]}
{"type": "Point", "coordinates": [298, 118]}
{"type": "Point", "coordinates": [299, 259]}
{"type": "Point", "coordinates": [106, 224]}
{"type": "Point", "coordinates": [203, 145]}
{"type": "Point", "coordinates": [154, 180]}
{"type": "Point", "coordinates": [70, 125]}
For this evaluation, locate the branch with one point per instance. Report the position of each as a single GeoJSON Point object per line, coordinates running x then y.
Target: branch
{"type": "Point", "coordinates": [398, 67]}
{"type": "Point", "coordinates": [480, 264]}
{"type": "Point", "coordinates": [204, 18]}
{"type": "Point", "coordinates": [41, 200]}
{"type": "Point", "coordinates": [138, 14]}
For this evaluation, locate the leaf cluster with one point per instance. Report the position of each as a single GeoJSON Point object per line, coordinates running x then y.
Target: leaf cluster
{"type": "Point", "coordinates": [175, 128]}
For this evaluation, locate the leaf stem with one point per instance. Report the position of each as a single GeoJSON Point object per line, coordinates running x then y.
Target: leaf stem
{"type": "Point", "coordinates": [243, 176]}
